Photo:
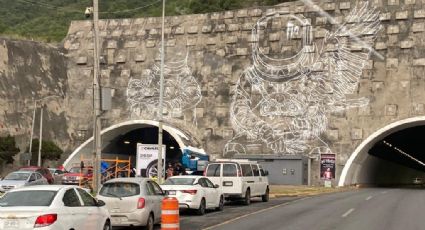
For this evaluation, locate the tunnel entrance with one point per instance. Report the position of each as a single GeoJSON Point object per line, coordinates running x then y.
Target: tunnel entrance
{"type": "Point", "coordinates": [125, 144]}
{"type": "Point", "coordinates": [392, 156]}
{"type": "Point", "coordinates": [121, 140]}
{"type": "Point", "coordinates": [396, 160]}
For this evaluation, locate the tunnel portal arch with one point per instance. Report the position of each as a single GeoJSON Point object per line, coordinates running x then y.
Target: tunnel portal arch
{"type": "Point", "coordinates": [354, 164]}
{"type": "Point", "coordinates": [183, 140]}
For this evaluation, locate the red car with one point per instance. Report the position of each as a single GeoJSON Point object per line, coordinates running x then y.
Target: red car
{"type": "Point", "coordinates": [43, 171]}
{"type": "Point", "coordinates": [76, 176]}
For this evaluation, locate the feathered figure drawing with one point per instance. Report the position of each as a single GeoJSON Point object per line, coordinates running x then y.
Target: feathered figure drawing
{"type": "Point", "coordinates": [282, 103]}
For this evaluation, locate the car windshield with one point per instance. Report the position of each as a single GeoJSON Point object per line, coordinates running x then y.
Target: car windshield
{"type": "Point", "coordinates": [17, 176]}
{"type": "Point", "coordinates": [119, 189]}
{"type": "Point", "coordinates": [179, 181]}
{"type": "Point", "coordinates": [78, 170]}
{"type": "Point", "coordinates": [26, 198]}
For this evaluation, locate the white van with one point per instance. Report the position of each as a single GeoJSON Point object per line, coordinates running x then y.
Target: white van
{"type": "Point", "coordinates": [239, 179]}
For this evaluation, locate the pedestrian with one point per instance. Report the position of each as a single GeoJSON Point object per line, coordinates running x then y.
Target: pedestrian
{"type": "Point", "coordinates": [170, 171]}
{"type": "Point", "coordinates": [179, 169]}
{"type": "Point", "coordinates": [133, 172]}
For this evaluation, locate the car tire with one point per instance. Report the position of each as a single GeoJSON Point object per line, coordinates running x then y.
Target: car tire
{"type": "Point", "coordinates": [220, 204]}
{"type": "Point", "coordinates": [150, 224]}
{"type": "Point", "coordinates": [152, 166]}
{"type": "Point", "coordinates": [266, 196]}
{"type": "Point", "coordinates": [247, 199]}
{"type": "Point", "coordinates": [202, 206]}
{"type": "Point", "coordinates": [107, 225]}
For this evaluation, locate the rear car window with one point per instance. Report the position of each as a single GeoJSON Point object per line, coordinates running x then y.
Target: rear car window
{"type": "Point", "coordinates": [119, 189]}
{"type": "Point", "coordinates": [179, 181]}
{"type": "Point", "coordinates": [70, 198]}
{"type": "Point", "coordinates": [246, 170]}
{"type": "Point", "coordinates": [213, 170]}
{"type": "Point", "coordinates": [229, 170]}
{"type": "Point", "coordinates": [87, 198]}
{"type": "Point", "coordinates": [26, 198]}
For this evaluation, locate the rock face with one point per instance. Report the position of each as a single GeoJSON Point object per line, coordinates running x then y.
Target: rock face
{"type": "Point", "coordinates": [296, 84]}
{"type": "Point", "coordinates": [31, 71]}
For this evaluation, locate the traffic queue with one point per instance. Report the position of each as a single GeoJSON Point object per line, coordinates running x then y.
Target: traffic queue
{"type": "Point", "coordinates": [124, 201]}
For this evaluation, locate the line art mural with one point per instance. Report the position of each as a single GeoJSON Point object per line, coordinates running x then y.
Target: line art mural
{"type": "Point", "coordinates": [282, 101]}
{"type": "Point", "coordinates": [181, 91]}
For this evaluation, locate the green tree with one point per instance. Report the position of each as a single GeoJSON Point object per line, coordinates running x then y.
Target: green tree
{"type": "Point", "coordinates": [49, 151]}
{"type": "Point", "coordinates": [3, 27]}
{"type": "Point", "coordinates": [8, 149]}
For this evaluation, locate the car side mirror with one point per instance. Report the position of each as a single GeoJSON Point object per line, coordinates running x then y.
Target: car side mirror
{"type": "Point", "coordinates": [100, 203]}
{"type": "Point", "coordinates": [216, 186]}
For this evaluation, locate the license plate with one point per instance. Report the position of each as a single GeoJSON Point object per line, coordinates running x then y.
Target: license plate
{"type": "Point", "coordinates": [171, 192]}
{"type": "Point", "coordinates": [11, 224]}
{"type": "Point", "coordinates": [117, 220]}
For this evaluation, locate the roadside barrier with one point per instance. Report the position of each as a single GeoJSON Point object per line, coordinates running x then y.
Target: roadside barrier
{"type": "Point", "coordinates": [170, 219]}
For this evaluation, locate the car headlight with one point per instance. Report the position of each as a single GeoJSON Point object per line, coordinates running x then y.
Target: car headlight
{"type": "Point", "coordinates": [77, 177]}
{"type": "Point", "coordinates": [64, 178]}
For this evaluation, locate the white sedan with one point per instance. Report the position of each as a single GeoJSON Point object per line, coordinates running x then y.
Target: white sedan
{"type": "Point", "coordinates": [48, 207]}
{"type": "Point", "coordinates": [194, 192]}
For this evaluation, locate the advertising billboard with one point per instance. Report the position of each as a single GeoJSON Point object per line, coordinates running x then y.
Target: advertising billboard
{"type": "Point", "coordinates": [147, 159]}
{"type": "Point", "coordinates": [327, 166]}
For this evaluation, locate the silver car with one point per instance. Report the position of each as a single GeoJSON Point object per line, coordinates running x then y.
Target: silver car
{"type": "Point", "coordinates": [57, 175]}
{"type": "Point", "coordinates": [132, 201]}
{"type": "Point", "coordinates": [20, 179]}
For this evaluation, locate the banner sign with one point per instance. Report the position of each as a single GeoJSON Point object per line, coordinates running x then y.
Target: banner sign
{"type": "Point", "coordinates": [327, 166]}
{"type": "Point", "coordinates": [147, 159]}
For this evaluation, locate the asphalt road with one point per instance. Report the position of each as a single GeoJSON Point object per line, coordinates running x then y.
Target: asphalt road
{"type": "Point", "coordinates": [191, 221]}
{"type": "Point", "coordinates": [371, 209]}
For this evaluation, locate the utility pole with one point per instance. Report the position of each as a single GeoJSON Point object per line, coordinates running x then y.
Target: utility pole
{"type": "Point", "coordinates": [32, 132]}
{"type": "Point", "coordinates": [96, 100]}
{"type": "Point", "coordinates": [161, 97]}
{"type": "Point", "coordinates": [40, 138]}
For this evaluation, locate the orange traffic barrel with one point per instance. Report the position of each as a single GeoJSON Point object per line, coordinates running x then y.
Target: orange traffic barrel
{"type": "Point", "coordinates": [170, 219]}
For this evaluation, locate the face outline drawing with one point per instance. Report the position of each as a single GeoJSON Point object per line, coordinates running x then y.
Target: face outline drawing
{"type": "Point", "coordinates": [295, 28]}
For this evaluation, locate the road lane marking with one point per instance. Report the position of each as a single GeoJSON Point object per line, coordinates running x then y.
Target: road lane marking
{"type": "Point", "coordinates": [369, 197]}
{"type": "Point", "coordinates": [347, 213]}
{"type": "Point", "coordinates": [253, 213]}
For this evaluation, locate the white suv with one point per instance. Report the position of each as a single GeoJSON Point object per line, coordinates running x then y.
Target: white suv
{"type": "Point", "coordinates": [239, 179]}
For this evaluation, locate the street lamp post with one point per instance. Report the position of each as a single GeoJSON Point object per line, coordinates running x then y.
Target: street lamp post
{"type": "Point", "coordinates": [96, 100]}
{"type": "Point", "coordinates": [32, 132]}
{"type": "Point", "coordinates": [41, 130]}
{"type": "Point", "coordinates": [40, 138]}
{"type": "Point", "coordinates": [161, 97]}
